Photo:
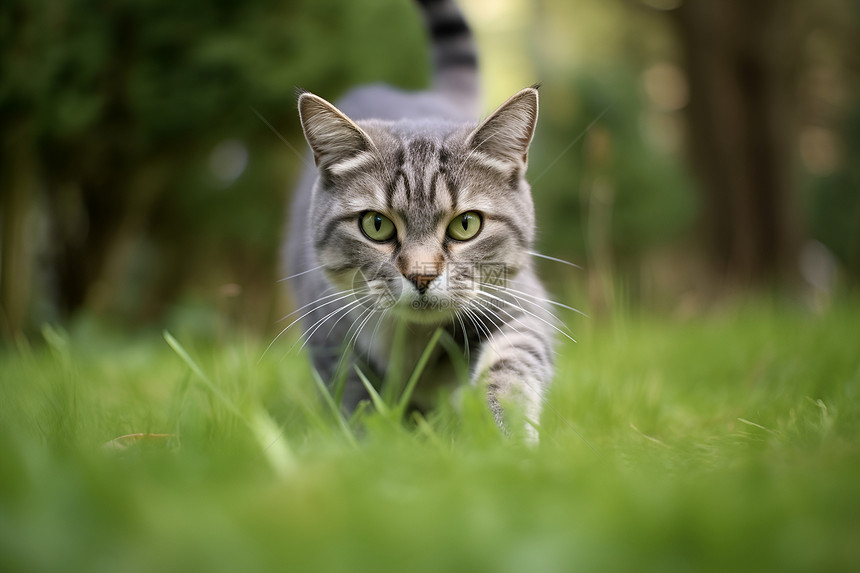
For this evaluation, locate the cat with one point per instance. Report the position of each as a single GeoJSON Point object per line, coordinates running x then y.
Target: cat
{"type": "Point", "coordinates": [417, 215]}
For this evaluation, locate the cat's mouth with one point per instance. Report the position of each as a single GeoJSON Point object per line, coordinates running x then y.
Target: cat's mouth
{"type": "Point", "coordinates": [435, 303]}
{"type": "Point", "coordinates": [425, 308]}
{"type": "Point", "coordinates": [424, 312]}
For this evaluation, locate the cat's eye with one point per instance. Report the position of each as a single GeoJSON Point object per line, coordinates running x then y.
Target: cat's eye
{"type": "Point", "coordinates": [465, 226]}
{"type": "Point", "coordinates": [377, 226]}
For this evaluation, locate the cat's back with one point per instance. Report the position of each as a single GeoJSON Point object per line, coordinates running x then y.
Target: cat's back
{"type": "Point", "coordinates": [385, 103]}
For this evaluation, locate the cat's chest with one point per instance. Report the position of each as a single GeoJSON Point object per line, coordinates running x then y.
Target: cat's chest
{"type": "Point", "coordinates": [397, 349]}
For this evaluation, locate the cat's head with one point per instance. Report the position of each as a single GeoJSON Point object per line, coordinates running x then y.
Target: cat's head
{"type": "Point", "coordinates": [420, 216]}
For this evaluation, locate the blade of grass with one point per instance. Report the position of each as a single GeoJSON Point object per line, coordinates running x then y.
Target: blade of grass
{"type": "Point", "coordinates": [264, 429]}
{"type": "Point", "coordinates": [378, 402]}
{"type": "Point", "coordinates": [177, 403]}
{"type": "Point", "coordinates": [274, 445]}
{"type": "Point", "coordinates": [181, 352]}
{"type": "Point", "coordinates": [339, 385]}
{"type": "Point", "coordinates": [394, 372]}
{"type": "Point", "coordinates": [416, 374]}
{"type": "Point", "coordinates": [428, 432]}
{"type": "Point", "coordinates": [458, 359]}
{"type": "Point", "coordinates": [334, 409]}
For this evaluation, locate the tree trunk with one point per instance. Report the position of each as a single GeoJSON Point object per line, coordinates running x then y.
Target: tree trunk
{"type": "Point", "coordinates": [20, 186]}
{"type": "Point", "coordinates": [742, 62]}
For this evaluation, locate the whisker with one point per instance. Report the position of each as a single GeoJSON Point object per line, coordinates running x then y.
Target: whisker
{"type": "Point", "coordinates": [504, 334]}
{"type": "Point", "coordinates": [346, 350]}
{"type": "Point", "coordinates": [369, 312]}
{"type": "Point", "coordinates": [330, 330]}
{"type": "Point", "coordinates": [572, 143]}
{"type": "Point", "coordinates": [351, 335]}
{"type": "Point", "coordinates": [301, 156]}
{"type": "Point", "coordinates": [316, 326]}
{"type": "Point", "coordinates": [557, 260]}
{"type": "Point", "coordinates": [510, 290]}
{"type": "Point", "coordinates": [551, 325]}
{"type": "Point", "coordinates": [519, 307]}
{"type": "Point", "coordinates": [375, 329]}
{"type": "Point", "coordinates": [313, 302]}
{"type": "Point", "coordinates": [300, 274]}
{"type": "Point", "coordinates": [516, 305]}
{"type": "Point", "coordinates": [517, 301]}
{"type": "Point", "coordinates": [347, 295]}
{"type": "Point", "coordinates": [491, 336]}
{"type": "Point", "coordinates": [502, 331]}
{"type": "Point", "coordinates": [364, 324]}
{"type": "Point", "coordinates": [465, 335]}
{"type": "Point", "coordinates": [476, 321]}
{"type": "Point", "coordinates": [484, 310]}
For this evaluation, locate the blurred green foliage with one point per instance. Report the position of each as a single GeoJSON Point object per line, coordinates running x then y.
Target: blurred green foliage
{"type": "Point", "coordinates": [187, 70]}
{"type": "Point", "coordinates": [591, 149]}
{"type": "Point", "coordinates": [117, 107]}
{"type": "Point", "coordinates": [115, 116]}
{"type": "Point", "coordinates": [833, 201]}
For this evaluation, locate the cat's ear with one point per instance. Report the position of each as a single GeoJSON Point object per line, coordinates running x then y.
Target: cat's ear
{"type": "Point", "coordinates": [333, 137]}
{"type": "Point", "coordinates": [507, 133]}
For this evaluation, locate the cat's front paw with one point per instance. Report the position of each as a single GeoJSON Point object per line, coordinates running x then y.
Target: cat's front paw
{"type": "Point", "coordinates": [515, 404]}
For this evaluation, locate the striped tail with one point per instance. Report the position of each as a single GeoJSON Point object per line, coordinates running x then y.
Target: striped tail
{"type": "Point", "coordinates": [455, 57]}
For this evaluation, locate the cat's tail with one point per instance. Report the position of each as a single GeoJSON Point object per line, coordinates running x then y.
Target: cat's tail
{"type": "Point", "coordinates": [455, 57]}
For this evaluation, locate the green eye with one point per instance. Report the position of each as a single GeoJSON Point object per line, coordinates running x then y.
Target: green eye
{"type": "Point", "coordinates": [377, 226]}
{"type": "Point", "coordinates": [464, 226]}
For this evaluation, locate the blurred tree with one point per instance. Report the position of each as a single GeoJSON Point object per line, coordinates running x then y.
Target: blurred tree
{"type": "Point", "coordinates": [609, 184]}
{"type": "Point", "coordinates": [743, 64]}
{"type": "Point", "coordinates": [833, 202]}
{"type": "Point", "coordinates": [605, 196]}
{"type": "Point", "coordinates": [830, 136]}
{"type": "Point", "coordinates": [110, 110]}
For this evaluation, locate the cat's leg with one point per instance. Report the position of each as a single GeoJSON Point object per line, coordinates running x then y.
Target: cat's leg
{"type": "Point", "coordinates": [515, 366]}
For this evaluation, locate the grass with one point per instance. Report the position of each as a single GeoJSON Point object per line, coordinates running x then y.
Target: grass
{"type": "Point", "coordinates": [730, 442]}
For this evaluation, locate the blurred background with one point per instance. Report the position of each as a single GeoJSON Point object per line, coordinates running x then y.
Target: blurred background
{"type": "Point", "coordinates": [688, 152]}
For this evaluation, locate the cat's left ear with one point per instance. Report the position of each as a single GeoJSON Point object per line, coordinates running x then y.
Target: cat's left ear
{"type": "Point", "coordinates": [507, 133]}
{"type": "Point", "coordinates": [333, 137]}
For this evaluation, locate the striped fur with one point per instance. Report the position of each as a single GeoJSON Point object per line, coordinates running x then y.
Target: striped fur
{"type": "Point", "coordinates": [418, 159]}
{"type": "Point", "coordinates": [455, 60]}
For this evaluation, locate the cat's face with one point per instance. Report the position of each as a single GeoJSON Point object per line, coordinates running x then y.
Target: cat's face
{"type": "Point", "coordinates": [421, 218]}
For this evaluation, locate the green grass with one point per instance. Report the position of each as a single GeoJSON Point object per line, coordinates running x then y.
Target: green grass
{"type": "Point", "coordinates": [725, 443]}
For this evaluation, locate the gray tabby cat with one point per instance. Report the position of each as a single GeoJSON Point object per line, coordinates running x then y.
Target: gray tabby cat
{"type": "Point", "coordinates": [416, 214]}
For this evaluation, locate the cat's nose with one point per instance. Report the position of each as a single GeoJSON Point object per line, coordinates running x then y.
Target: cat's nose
{"type": "Point", "coordinates": [421, 282]}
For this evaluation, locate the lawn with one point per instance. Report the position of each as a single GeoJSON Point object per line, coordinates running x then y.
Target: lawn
{"type": "Point", "coordinates": [729, 442]}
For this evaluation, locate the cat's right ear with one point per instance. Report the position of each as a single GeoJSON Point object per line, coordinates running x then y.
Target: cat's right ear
{"type": "Point", "coordinates": [507, 133]}
{"type": "Point", "coordinates": [333, 137]}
